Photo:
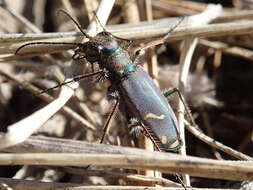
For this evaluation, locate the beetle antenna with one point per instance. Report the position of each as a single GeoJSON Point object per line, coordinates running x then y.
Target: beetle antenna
{"type": "Point", "coordinates": [75, 79]}
{"type": "Point", "coordinates": [59, 43]}
{"type": "Point", "coordinates": [75, 22]}
{"type": "Point", "coordinates": [123, 39]}
{"type": "Point", "coordinates": [50, 43]}
{"type": "Point", "coordinates": [94, 13]}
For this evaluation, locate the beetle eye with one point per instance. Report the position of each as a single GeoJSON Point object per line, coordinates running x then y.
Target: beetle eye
{"type": "Point", "coordinates": [101, 47]}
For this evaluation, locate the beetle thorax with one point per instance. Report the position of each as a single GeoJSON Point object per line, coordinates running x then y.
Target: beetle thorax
{"type": "Point", "coordinates": [114, 58]}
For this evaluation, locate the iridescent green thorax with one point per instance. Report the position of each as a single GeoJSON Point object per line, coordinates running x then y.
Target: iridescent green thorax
{"type": "Point", "coordinates": [128, 69]}
{"type": "Point", "coordinates": [116, 59]}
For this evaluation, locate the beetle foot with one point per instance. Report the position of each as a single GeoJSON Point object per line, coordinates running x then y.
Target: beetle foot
{"type": "Point", "coordinates": [135, 127]}
{"type": "Point", "coordinates": [102, 77]}
{"type": "Point", "coordinates": [112, 93]}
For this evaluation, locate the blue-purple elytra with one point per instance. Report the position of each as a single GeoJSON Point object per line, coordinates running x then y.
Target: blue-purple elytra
{"type": "Point", "coordinates": [135, 87]}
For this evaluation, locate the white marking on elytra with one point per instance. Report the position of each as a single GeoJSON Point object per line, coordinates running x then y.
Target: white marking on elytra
{"type": "Point", "coordinates": [153, 116]}
{"type": "Point", "coordinates": [175, 144]}
{"type": "Point", "coordinates": [164, 139]}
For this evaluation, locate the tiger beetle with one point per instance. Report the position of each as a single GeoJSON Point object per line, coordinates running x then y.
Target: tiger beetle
{"type": "Point", "coordinates": [133, 85]}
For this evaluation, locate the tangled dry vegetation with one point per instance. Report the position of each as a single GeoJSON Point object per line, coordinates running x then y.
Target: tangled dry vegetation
{"type": "Point", "coordinates": [208, 56]}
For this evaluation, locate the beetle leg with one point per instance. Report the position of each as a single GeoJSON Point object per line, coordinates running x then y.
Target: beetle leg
{"type": "Point", "coordinates": [135, 127]}
{"type": "Point", "coordinates": [173, 28]}
{"type": "Point", "coordinates": [178, 177]}
{"type": "Point", "coordinates": [75, 79]}
{"type": "Point", "coordinates": [102, 77]}
{"type": "Point", "coordinates": [187, 110]}
{"type": "Point", "coordinates": [156, 42]}
{"type": "Point", "coordinates": [109, 118]}
{"type": "Point", "coordinates": [113, 93]}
